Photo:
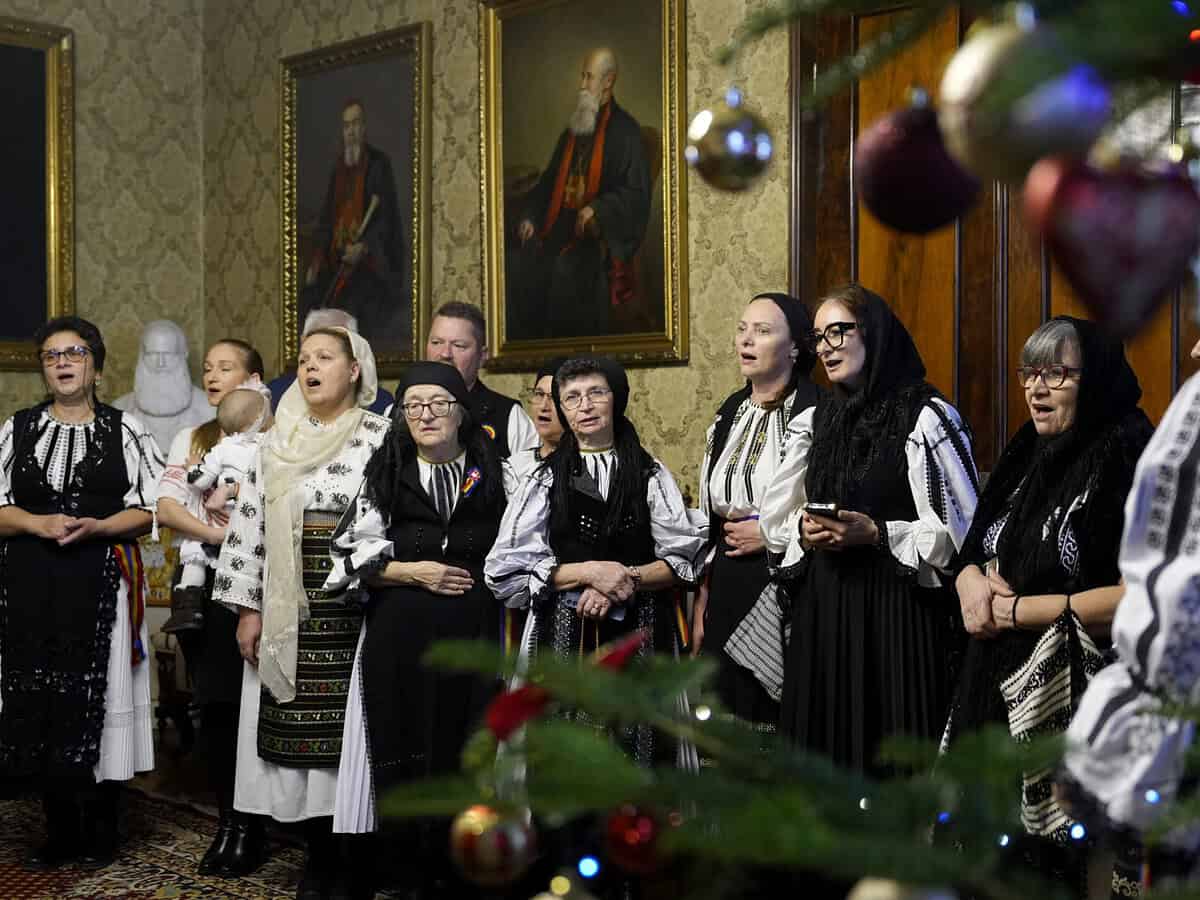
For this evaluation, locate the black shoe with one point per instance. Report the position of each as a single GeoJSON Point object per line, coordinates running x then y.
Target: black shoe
{"type": "Point", "coordinates": [213, 860]}
{"type": "Point", "coordinates": [54, 854]}
{"type": "Point", "coordinates": [312, 882]}
{"type": "Point", "coordinates": [246, 850]}
{"type": "Point", "coordinates": [187, 610]}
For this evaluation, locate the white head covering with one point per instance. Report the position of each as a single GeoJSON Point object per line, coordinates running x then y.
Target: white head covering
{"type": "Point", "coordinates": [295, 447]}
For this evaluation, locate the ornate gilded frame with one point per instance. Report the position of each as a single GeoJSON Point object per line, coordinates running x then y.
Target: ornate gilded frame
{"type": "Point", "coordinates": [671, 344]}
{"type": "Point", "coordinates": [411, 39]}
{"type": "Point", "coordinates": [58, 46]}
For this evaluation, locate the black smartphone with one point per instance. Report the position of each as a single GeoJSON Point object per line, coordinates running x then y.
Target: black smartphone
{"type": "Point", "coordinates": [829, 510]}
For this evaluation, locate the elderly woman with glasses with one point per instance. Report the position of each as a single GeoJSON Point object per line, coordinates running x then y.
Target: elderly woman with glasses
{"type": "Point", "coordinates": [411, 551]}
{"type": "Point", "coordinates": [597, 533]}
{"type": "Point", "coordinates": [1042, 550]}
{"type": "Point", "coordinates": [874, 496]}
{"type": "Point", "coordinates": [77, 483]}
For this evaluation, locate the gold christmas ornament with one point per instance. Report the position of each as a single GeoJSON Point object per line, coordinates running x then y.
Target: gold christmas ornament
{"type": "Point", "coordinates": [886, 889]}
{"type": "Point", "coordinates": [490, 848]}
{"type": "Point", "coordinates": [729, 146]}
{"type": "Point", "coordinates": [994, 139]}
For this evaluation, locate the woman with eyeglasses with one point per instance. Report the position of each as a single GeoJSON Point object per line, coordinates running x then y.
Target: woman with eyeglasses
{"type": "Point", "coordinates": [873, 499]}
{"type": "Point", "coordinates": [597, 533]}
{"type": "Point", "coordinates": [546, 421]}
{"type": "Point", "coordinates": [410, 552]}
{"type": "Point", "coordinates": [745, 446]}
{"type": "Point", "coordinates": [77, 486]}
{"type": "Point", "coordinates": [298, 643]}
{"type": "Point", "coordinates": [1046, 535]}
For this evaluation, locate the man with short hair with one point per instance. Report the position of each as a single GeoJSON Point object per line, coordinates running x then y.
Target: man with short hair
{"type": "Point", "coordinates": [458, 336]}
{"type": "Point", "coordinates": [584, 219]}
{"type": "Point", "coordinates": [358, 263]}
{"type": "Point", "coordinates": [325, 318]}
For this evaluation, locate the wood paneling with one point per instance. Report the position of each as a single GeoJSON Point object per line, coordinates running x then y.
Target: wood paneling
{"type": "Point", "coordinates": [918, 275]}
{"type": "Point", "coordinates": [971, 293]}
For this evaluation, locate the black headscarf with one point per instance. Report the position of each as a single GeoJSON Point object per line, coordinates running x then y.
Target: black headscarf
{"type": "Point", "coordinates": [627, 492]}
{"type": "Point", "coordinates": [800, 326]}
{"type": "Point", "coordinates": [1096, 454]}
{"type": "Point", "coordinates": [381, 478]}
{"type": "Point", "coordinates": [442, 374]}
{"type": "Point", "coordinates": [852, 429]}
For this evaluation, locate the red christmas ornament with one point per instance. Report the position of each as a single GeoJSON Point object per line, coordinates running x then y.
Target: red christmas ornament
{"type": "Point", "coordinates": [617, 655]}
{"type": "Point", "coordinates": [905, 175]}
{"type": "Point", "coordinates": [631, 840]}
{"type": "Point", "coordinates": [512, 709]}
{"type": "Point", "coordinates": [491, 849]}
{"type": "Point", "coordinates": [1123, 238]}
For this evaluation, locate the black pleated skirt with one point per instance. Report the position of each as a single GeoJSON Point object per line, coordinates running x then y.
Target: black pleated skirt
{"type": "Point", "coordinates": [869, 658]}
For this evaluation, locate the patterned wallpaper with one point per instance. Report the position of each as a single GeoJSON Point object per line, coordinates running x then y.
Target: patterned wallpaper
{"type": "Point", "coordinates": [738, 242]}
{"type": "Point", "coordinates": [139, 170]}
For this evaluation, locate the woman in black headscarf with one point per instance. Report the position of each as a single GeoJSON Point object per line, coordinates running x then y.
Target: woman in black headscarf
{"type": "Point", "coordinates": [744, 449]}
{"type": "Point", "coordinates": [871, 626]}
{"type": "Point", "coordinates": [597, 533]}
{"type": "Point", "coordinates": [1045, 539]}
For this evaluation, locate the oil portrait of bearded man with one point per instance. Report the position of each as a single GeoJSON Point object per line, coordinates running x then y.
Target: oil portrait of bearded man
{"type": "Point", "coordinates": [581, 179]}
{"type": "Point", "coordinates": [355, 188]}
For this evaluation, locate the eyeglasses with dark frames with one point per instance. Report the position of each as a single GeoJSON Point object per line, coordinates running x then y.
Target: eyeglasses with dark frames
{"type": "Point", "coordinates": [1054, 377]}
{"type": "Point", "coordinates": [74, 353]}
{"type": "Point", "coordinates": [414, 409]}
{"type": "Point", "coordinates": [834, 335]}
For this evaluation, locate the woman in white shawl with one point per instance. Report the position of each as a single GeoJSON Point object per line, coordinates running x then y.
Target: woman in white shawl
{"type": "Point", "coordinates": [299, 645]}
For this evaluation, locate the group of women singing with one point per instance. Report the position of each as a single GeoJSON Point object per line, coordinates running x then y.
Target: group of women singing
{"type": "Point", "coordinates": [851, 578]}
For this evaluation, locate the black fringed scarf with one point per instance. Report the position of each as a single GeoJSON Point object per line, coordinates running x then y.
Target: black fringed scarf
{"type": "Point", "coordinates": [1040, 477]}
{"type": "Point", "coordinates": [854, 429]}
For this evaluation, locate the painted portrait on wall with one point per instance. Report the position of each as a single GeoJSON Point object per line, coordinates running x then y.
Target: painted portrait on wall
{"type": "Point", "coordinates": [584, 219]}
{"type": "Point", "coordinates": [355, 192]}
{"type": "Point", "coordinates": [36, 217]}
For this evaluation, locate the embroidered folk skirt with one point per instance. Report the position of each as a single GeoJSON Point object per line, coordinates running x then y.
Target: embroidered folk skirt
{"type": "Point", "coordinates": [307, 732]}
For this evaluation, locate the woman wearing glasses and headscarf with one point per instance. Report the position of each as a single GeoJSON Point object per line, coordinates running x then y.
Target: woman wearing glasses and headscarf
{"type": "Point", "coordinates": [890, 463]}
{"type": "Point", "coordinates": [1044, 546]}
{"type": "Point", "coordinates": [298, 643]}
{"type": "Point", "coordinates": [597, 532]}
{"type": "Point", "coordinates": [77, 483]}
{"type": "Point", "coordinates": [744, 448]}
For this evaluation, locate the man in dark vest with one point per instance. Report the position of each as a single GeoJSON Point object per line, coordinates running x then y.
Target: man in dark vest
{"type": "Point", "coordinates": [584, 219]}
{"type": "Point", "coordinates": [458, 336]}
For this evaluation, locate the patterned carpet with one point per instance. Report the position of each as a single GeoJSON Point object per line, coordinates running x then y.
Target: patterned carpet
{"type": "Point", "coordinates": [162, 844]}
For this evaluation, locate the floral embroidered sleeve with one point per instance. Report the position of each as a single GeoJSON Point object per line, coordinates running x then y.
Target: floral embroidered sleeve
{"type": "Point", "coordinates": [360, 547]}
{"type": "Point", "coordinates": [241, 565]}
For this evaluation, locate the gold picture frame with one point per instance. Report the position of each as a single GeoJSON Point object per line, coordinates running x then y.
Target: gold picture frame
{"type": "Point", "coordinates": [519, 40]}
{"type": "Point", "coordinates": [53, 232]}
{"type": "Point", "coordinates": [386, 75]}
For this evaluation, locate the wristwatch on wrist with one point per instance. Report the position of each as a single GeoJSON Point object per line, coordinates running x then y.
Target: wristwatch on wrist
{"type": "Point", "coordinates": [636, 574]}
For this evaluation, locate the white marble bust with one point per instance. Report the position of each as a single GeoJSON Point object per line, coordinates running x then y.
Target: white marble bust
{"type": "Point", "coordinates": [163, 395]}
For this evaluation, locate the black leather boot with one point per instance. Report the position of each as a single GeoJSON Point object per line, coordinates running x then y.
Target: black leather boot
{"type": "Point", "coordinates": [187, 610]}
{"type": "Point", "coordinates": [62, 833]}
{"type": "Point", "coordinates": [213, 860]}
{"type": "Point", "coordinates": [320, 860]}
{"type": "Point", "coordinates": [247, 849]}
{"type": "Point", "coordinates": [100, 838]}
